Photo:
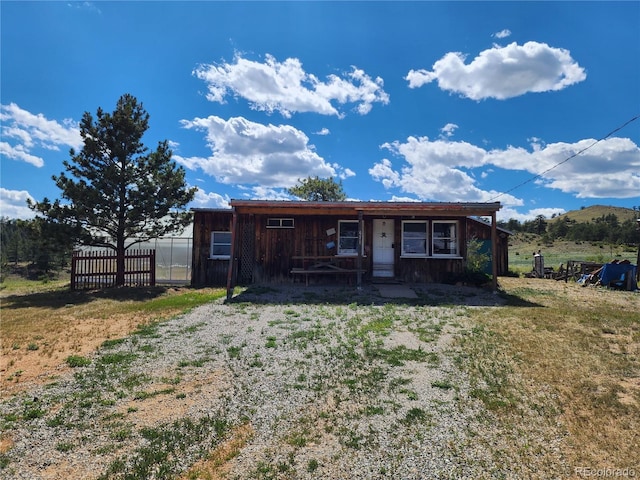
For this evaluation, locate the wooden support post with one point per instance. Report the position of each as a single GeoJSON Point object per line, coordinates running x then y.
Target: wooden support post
{"type": "Point", "coordinates": [638, 260]}
{"type": "Point", "coordinates": [232, 255]}
{"type": "Point", "coordinates": [494, 251]}
{"type": "Point", "coordinates": [359, 260]}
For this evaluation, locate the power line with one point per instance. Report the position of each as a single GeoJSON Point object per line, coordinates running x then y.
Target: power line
{"type": "Point", "coordinates": [567, 159]}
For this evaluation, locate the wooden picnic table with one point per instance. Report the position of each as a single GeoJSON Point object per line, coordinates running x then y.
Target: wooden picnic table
{"type": "Point", "coordinates": [324, 265]}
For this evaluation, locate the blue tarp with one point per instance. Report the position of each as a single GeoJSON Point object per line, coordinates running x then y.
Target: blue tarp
{"type": "Point", "coordinates": [615, 272]}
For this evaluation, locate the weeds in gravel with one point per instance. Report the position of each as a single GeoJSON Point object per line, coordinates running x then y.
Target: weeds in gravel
{"type": "Point", "coordinates": [75, 361]}
{"type": "Point", "coordinates": [166, 448]}
{"type": "Point", "coordinates": [442, 384]}
{"type": "Point", "coordinates": [416, 416]}
{"type": "Point", "coordinates": [399, 355]}
{"type": "Point", "coordinates": [65, 447]}
{"type": "Point", "coordinates": [111, 343]}
{"type": "Point", "coordinates": [234, 352]}
{"type": "Point", "coordinates": [312, 465]}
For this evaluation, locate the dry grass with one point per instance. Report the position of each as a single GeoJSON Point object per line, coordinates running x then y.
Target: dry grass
{"type": "Point", "coordinates": [218, 463]}
{"type": "Point", "coordinates": [582, 343]}
{"type": "Point", "coordinates": [43, 324]}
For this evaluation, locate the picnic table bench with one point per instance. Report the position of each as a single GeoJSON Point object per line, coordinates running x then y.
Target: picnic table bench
{"type": "Point", "coordinates": [325, 265]}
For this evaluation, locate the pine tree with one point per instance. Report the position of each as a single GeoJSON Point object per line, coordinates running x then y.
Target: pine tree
{"type": "Point", "coordinates": [317, 189]}
{"type": "Point", "coordinates": [115, 193]}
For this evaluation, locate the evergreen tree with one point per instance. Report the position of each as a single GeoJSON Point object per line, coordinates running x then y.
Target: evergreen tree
{"type": "Point", "coordinates": [115, 193]}
{"type": "Point", "coordinates": [317, 189]}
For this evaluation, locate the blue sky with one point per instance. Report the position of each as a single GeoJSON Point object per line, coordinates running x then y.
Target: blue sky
{"type": "Point", "coordinates": [429, 101]}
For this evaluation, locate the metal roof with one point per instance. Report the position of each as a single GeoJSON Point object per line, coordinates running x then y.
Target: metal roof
{"type": "Point", "coordinates": [369, 208]}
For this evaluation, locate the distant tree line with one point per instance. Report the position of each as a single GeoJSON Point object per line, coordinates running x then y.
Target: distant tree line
{"type": "Point", "coordinates": [44, 245]}
{"type": "Point", "coordinates": [607, 229]}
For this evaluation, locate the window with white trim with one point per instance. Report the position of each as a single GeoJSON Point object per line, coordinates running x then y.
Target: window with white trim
{"type": "Point", "coordinates": [348, 237]}
{"type": "Point", "coordinates": [220, 245]}
{"type": "Point", "coordinates": [414, 238]}
{"type": "Point", "coordinates": [280, 223]}
{"type": "Point", "coordinates": [444, 238]}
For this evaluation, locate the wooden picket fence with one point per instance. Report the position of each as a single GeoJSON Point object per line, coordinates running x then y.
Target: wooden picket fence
{"type": "Point", "coordinates": [92, 270]}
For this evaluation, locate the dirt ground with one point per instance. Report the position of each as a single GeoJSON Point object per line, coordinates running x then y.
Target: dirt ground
{"type": "Point", "coordinates": [36, 352]}
{"type": "Point", "coordinates": [21, 368]}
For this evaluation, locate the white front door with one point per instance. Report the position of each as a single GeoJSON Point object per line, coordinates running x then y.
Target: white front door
{"type": "Point", "coordinates": [383, 243]}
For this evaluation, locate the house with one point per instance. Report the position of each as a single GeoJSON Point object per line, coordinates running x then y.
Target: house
{"type": "Point", "coordinates": [284, 241]}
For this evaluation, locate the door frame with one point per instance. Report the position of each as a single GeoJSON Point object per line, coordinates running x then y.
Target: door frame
{"type": "Point", "coordinates": [388, 262]}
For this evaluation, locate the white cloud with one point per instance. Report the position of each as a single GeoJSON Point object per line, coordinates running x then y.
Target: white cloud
{"type": "Point", "coordinates": [203, 199]}
{"type": "Point", "coordinates": [434, 170]}
{"type": "Point", "coordinates": [503, 72]}
{"type": "Point", "coordinates": [286, 88]}
{"type": "Point", "coordinates": [324, 131]}
{"type": "Point", "coordinates": [245, 152]}
{"type": "Point", "coordinates": [383, 172]}
{"type": "Point", "coordinates": [19, 152]}
{"type": "Point", "coordinates": [89, 6]}
{"type": "Point", "coordinates": [449, 129]}
{"type": "Point", "coordinates": [264, 193]}
{"type": "Point", "coordinates": [403, 199]}
{"type": "Point", "coordinates": [607, 169]}
{"type": "Point", "coordinates": [13, 204]}
{"type": "Point", "coordinates": [343, 173]}
{"type": "Point", "coordinates": [502, 33]}
{"type": "Point", "coordinates": [22, 132]}
{"type": "Point", "coordinates": [507, 213]}
{"type": "Point", "coordinates": [440, 170]}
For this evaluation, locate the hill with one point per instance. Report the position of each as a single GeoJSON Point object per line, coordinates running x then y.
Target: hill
{"type": "Point", "coordinates": [558, 250]}
{"type": "Point", "coordinates": [589, 214]}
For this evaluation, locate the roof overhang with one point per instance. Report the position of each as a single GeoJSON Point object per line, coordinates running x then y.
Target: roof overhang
{"type": "Point", "coordinates": [435, 209]}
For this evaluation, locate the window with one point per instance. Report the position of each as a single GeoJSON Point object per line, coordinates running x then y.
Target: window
{"type": "Point", "coordinates": [445, 238]}
{"type": "Point", "coordinates": [280, 223]}
{"type": "Point", "coordinates": [348, 237]}
{"type": "Point", "coordinates": [220, 245]}
{"type": "Point", "coordinates": [414, 239]}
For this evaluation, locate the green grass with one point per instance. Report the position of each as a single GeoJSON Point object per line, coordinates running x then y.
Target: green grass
{"type": "Point", "coordinates": [75, 361]}
{"type": "Point", "coordinates": [117, 358]}
{"type": "Point", "coordinates": [112, 342]}
{"type": "Point", "coordinates": [522, 246]}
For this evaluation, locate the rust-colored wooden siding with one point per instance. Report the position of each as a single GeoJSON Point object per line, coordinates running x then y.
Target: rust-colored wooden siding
{"type": "Point", "coordinates": [481, 231]}
{"type": "Point", "coordinates": [275, 247]}
{"type": "Point", "coordinates": [265, 254]}
{"type": "Point", "coordinates": [426, 270]}
{"type": "Point", "coordinates": [204, 270]}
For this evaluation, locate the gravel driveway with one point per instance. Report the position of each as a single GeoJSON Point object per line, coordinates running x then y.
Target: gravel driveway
{"type": "Point", "coordinates": [311, 382]}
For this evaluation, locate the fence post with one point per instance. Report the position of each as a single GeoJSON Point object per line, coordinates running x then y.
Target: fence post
{"type": "Point", "coordinates": [152, 267]}
{"type": "Point", "coordinates": [73, 269]}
